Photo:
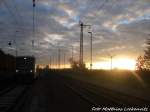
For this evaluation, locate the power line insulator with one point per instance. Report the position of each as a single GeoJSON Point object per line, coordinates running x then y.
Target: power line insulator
{"type": "Point", "coordinates": [33, 3]}
{"type": "Point", "coordinates": [9, 43]}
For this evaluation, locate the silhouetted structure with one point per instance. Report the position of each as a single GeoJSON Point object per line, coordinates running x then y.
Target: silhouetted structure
{"type": "Point", "coordinates": [91, 49]}
{"type": "Point", "coordinates": [7, 63]}
{"type": "Point", "coordinates": [25, 69]}
{"type": "Point", "coordinates": [140, 63]}
{"type": "Point", "coordinates": [81, 63]}
{"type": "Point", "coordinates": [147, 55]}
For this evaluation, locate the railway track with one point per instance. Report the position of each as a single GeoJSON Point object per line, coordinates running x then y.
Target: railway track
{"type": "Point", "coordinates": [6, 89]}
{"type": "Point", "coordinates": [12, 99]}
{"type": "Point", "coordinates": [72, 95]}
{"type": "Point", "coordinates": [99, 96]}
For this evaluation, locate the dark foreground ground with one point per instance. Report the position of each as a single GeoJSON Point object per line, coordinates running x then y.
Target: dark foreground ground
{"type": "Point", "coordinates": [59, 92]}
{"type": "Point", "coordinates": [49, 94]}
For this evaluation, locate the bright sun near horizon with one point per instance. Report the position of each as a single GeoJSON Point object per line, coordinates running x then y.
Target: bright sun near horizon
{"type": "Point", "coordinates": [118, 63]}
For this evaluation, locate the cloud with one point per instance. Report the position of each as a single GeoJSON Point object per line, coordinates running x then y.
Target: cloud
{"type": "Point", "coordinates": [116, 24]}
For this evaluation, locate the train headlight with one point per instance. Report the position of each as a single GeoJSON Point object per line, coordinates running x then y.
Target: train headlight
{"type": "Point", "coordinates": [17, 70]}
{"type": "Point", "coordinates": [31, 71]}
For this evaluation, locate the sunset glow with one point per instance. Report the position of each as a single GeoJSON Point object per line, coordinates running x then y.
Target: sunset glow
{"type": "Point", "coordinates": [119, 63]}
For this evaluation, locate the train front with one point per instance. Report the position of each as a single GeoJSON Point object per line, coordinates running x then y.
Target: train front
{"type": "Point", "coordinates": [25, 69]}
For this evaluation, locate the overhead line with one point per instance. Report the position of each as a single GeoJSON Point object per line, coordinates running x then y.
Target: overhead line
{"type": "Point", "coordinates": [11, 12]}
{"type": "Point", "coordinates": [15, 15]}
{"type": "Point", "coordinates": [101, 7]}
{"type": "Point", "coordinates": [17, 12]}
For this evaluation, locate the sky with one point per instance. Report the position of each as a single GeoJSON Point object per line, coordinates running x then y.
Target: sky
{"type": "Point", "coordinates": [120, 28]}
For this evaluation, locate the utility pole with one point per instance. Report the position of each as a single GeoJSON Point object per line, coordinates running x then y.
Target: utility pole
{"type": "Point", "coordinates": [72, 53]}
{"type": "Point", "coordinates": [111, 63]}
{"type": "Point", "coordinates": [33, 24]}
{"type": "Point", "coordinates": [81, 42]}
{"type": "Point", "coordinates": [33, 18]}
{"type": "Point", "coordinates": [32, 44]}
{"type": "Point", "coordinates": [50, 61]}
{"type": "Point", "coordinates": [10, 44]}
{"type": "Point", "coordinates": [111, 59]}
{"type": "Point", "coordinates": [91, 50]}
{"type": "Point", "coordinates": [64, 60]}
{"type": "Point", "coordinates": [56, 64]}
{"type": "Point", "coordinates": [16, 48]}
{"type": "Point", "coordinates": [59, 58]}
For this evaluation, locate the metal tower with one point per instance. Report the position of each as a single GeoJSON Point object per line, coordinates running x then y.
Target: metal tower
{"type": "Point", "coordinates": [81, 42]}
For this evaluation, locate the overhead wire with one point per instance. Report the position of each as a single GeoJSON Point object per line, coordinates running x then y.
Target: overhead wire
{"type": "Point", "coordinates": [18, 14]}
{"type": "Point", "coordinates": [11, 13]}
{"type": "Point", "coordinates": [15, 14]}
{"type": "Point", "coordinates": [102, 5]}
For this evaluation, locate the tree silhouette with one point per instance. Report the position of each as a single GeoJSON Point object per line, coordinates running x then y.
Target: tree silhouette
{"type": "Point", "coordinates": [74, 64]}
{"type": "Point", "coordinates": [140, 63]}
{"type": "Point", "coordinates": [147, 55]}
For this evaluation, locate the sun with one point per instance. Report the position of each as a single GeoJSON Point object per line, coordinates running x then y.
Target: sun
{"type": "Point", "coordinates": [117, 63]}
{"type": "Point", "coordinates": [124, 63]}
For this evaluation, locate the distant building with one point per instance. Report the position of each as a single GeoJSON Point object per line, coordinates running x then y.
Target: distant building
{"type": "Point", "coordinates": [7, 62]}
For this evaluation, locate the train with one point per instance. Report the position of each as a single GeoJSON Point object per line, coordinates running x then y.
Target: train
{"type": "Point", "coordinates": [25, 69]}
{"type": "Point", "coordinates": [20, 69]}
{"type": "Point", "coordinates": [7, 63]}
{"type": "Point", "coordinates": [7, 69]}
